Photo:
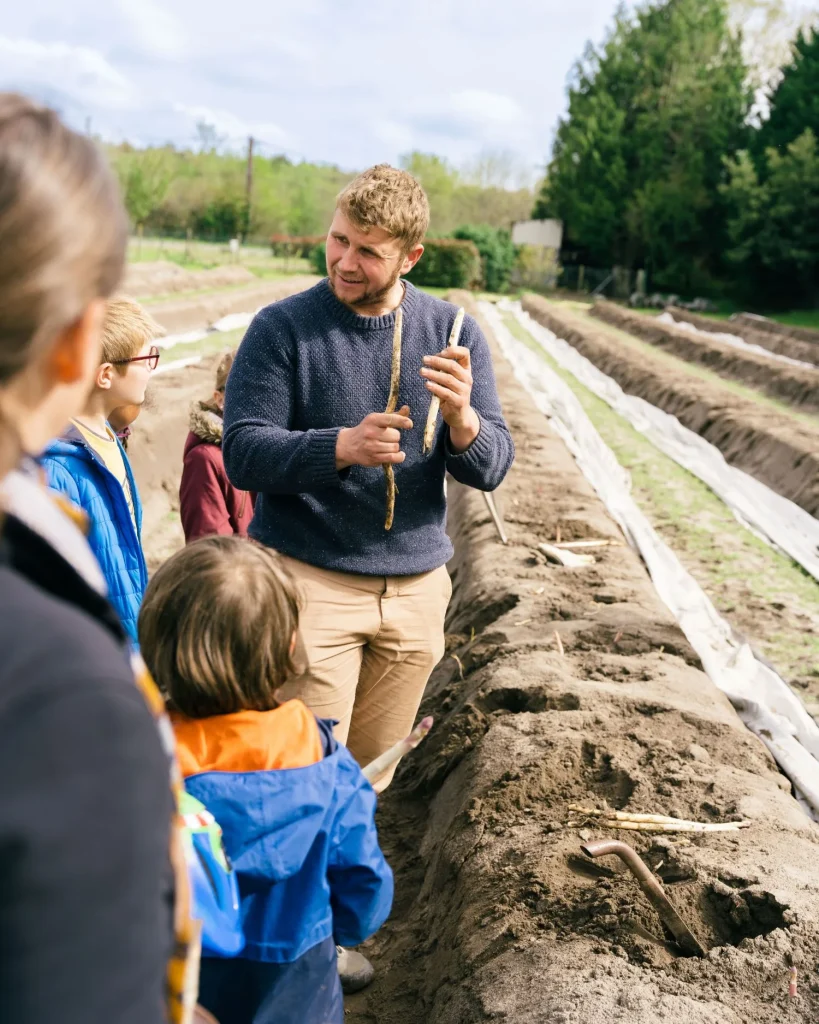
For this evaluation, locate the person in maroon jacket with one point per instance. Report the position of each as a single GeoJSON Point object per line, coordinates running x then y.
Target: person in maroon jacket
{"type": "Point", "coordinates": [208, 502]}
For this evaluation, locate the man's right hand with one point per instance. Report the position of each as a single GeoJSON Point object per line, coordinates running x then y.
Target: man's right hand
{"type": "Point", "coordinates": [376, 441]}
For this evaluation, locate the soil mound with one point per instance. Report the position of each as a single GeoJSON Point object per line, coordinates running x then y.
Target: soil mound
{"type": "Point", "coordinates": [144, 280]}
{"type": "Point", "coordinates": [807, 334]}
{"type": "Point", "coordinates": [190, 314]}
{"type": "Point", "coordinates": [781, 452]}
{"type": "Point", "coordinates": [499, 915]}
{"type": "Point", "coordinates": [799, 387]}
{"type": "Point", "coordinates": [748, 330]}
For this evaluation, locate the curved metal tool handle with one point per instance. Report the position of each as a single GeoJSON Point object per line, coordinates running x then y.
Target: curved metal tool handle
{"type": "Point", "coordinates": [652, 888]}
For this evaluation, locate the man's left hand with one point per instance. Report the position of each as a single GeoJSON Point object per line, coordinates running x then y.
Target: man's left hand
{"type": "Point", "coordinates": [449, 376]}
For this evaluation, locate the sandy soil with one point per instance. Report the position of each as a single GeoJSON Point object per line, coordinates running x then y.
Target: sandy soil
{"type": "Point", "coordinates": [797, 386]}
{"type": "Point", "coordinates": [784, 343]}
{"type": "Point", "coordinates": [499, 915]}
{"type": "Point", "coordinates": [778, 449]}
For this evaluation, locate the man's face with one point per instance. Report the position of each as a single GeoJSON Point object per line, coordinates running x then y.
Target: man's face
{"type": "Point", "coordinates": [363, 266]}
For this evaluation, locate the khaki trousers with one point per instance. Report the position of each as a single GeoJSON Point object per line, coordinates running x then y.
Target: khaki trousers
{"type": "Point", "coordinates": [371, 643]}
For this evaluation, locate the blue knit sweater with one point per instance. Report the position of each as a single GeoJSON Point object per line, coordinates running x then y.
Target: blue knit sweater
{"type": "Point", "coordinates": [309, 366]}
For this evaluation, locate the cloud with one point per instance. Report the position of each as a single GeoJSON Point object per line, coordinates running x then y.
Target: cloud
{"type": "Point", "coordinates": [479, 107]}
{"type": "Point", "coordinates": [159, 32]}
{"type": "Point", "coordinates": [79, 73]}
{"type": "Point", "coordinates": [234, 127]}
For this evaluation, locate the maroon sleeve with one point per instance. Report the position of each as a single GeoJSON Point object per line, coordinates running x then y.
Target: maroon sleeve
{"type": "Point", "coordinates": [202, 505]}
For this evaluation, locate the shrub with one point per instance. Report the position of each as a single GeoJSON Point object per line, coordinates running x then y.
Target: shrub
{"type": "Point", "coordinates": [497, 253]}
{"type": "Point", "coordinates": [295, 245]}
{"type": "Point", "coordinates": [318, 257]}
{"type": "Point", "coordinates": [447, 263]}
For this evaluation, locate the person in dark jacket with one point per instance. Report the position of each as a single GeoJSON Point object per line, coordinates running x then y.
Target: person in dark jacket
{"type": "Point", "coordinates": [88, 464]}
{"type": "Point", "coordinates": [208, 501]}
{"type": "Point", "coordinates": [218, 630]}
{"type": "Point", "coordinates": [94, 926]}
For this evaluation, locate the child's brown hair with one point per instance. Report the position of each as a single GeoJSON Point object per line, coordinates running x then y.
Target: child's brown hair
{"type": "Point", "coordinates": [216, 627]}
{"type": "Point", "coordinates": [126, 329]}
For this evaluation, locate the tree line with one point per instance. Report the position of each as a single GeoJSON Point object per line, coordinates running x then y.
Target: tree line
{"type": "Point", "coordinates": [669, 160]}
{"type": "Point", "coordinates": [171, 191]}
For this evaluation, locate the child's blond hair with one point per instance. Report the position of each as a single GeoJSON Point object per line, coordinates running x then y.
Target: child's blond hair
{"type": "Point", "coordinates": [216, 627]}
{"type": "Point", "coordinates": [388, 198]}
{"type": "Point", "coordinates": [126, 329]}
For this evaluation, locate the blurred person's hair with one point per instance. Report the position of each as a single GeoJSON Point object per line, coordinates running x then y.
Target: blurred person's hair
{"type": "Point", "coordinates": [63, 235]}
{"type": "Point", "coordinates": [216, 627]}
{"type": "Point", "coordinates": [388, 198]}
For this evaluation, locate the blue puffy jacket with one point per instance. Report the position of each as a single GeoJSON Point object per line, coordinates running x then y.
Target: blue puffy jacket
{"type": "Point", "coordinates": [297, 816]}
{"type": "Point", "coordinates": [74, 468]}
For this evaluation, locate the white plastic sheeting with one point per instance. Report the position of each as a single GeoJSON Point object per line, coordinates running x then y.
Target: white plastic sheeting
{"type": "Point", "coordinates": [231, 322]}
{"type": "Point", "coordinates": [762, 699]}
{"type": "Point", "coordinates": [775, 519]}
{"type": "Point", "coordinates": [735, 340]}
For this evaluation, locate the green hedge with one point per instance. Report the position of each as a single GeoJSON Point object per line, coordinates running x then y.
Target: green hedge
{"type": "Point", "coordinates": [497, 253]}
{"type": "Point", "coordinates": [447, 263]}
{"type": "Point", "coordinates": [318, 257]}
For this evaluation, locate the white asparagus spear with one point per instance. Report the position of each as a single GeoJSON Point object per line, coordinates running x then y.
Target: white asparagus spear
{"type": "Point", "coordinates": [435, 403]}
{"type": "Point", "coordinates": [389, 757]}
{"type": "Point", "coordinates": [679, 826]}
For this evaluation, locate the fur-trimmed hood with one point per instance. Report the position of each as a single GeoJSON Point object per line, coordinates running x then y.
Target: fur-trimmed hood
{"type": "Point", "coordinates": [205, 423]}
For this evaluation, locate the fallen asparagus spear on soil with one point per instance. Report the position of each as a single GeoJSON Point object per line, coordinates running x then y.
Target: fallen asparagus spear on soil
{"type": "Point", "coordinates": [396, 752]}
{"type": "Point", "coordinates": [653, 822]}
{"type": "Point", "coordinates": [435, 402]}
{"type": "Point", "coordinates": [563, 557]}
{"type": "Point", "coordinates": [392, 405]}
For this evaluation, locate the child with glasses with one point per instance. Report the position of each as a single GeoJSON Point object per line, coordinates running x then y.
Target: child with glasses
{"type": "Point", "coordinates": [89, 465]}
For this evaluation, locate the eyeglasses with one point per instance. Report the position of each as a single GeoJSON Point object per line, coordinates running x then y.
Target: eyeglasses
{"type": "Point", "coordinates": [152, 359]}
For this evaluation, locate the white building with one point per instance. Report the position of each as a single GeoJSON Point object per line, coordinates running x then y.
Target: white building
{"type": "Point", "coordinates": [548, 234]}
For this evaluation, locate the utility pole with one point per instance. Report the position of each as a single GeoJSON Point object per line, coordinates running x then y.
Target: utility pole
{"type": "Point", "coordinates": [88, 126]}
{"type": "Point", "coordinates": [249, 179]}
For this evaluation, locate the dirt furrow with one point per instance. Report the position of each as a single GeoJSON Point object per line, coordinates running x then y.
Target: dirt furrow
{"type": "Point", "coordinates": [809, 334]}
{"type": "Point", "coordinates": [779, 450]}
{"type": "Point", "coordinates": [191, 314]}
{"type": "Point", "coordinates": [499, 915]}
{"type": "Point", "coordinates": [797, 386]}
{"type": "Point", "coordinates": [783, 344]}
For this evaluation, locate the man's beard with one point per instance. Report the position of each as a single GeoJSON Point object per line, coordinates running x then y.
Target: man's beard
{"type": "Point", "coordinates": [372, 298]}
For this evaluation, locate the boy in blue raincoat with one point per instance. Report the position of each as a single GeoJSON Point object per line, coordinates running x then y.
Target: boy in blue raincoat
{"type": "Point", "coordinates": [218, 631]}
{"type": "Point", "coordinates": [88, 463]}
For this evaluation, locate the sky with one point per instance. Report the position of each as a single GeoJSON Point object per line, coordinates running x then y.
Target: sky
{"type": "Point", "coordinates": [337, 81]}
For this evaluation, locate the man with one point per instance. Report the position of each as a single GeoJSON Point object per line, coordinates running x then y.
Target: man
{"type": "Point", "coordinates": [305, 429]}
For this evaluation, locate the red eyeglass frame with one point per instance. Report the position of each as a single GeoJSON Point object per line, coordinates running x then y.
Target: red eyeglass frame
{"type": "Point", "coordinates": [152, 359]}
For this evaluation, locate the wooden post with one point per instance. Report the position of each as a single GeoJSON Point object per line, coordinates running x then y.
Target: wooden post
{"type": "Point", "coordinates": [581, 274]}
{"type": "Point", "coordinates": [189, 235]}
{"type": "Point", "coordinates": [249, 179]}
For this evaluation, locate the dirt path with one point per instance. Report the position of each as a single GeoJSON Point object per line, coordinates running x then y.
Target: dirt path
{"type": "Point", "coordinates": [795, 385]}
{"type": "Point", "coordinates": [498, 915]}
{"type": "Point", "coordinates": [780, 449]}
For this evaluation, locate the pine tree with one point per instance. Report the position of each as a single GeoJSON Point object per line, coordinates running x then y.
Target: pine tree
{"type": "Point", "coordinates": [794, 104]}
